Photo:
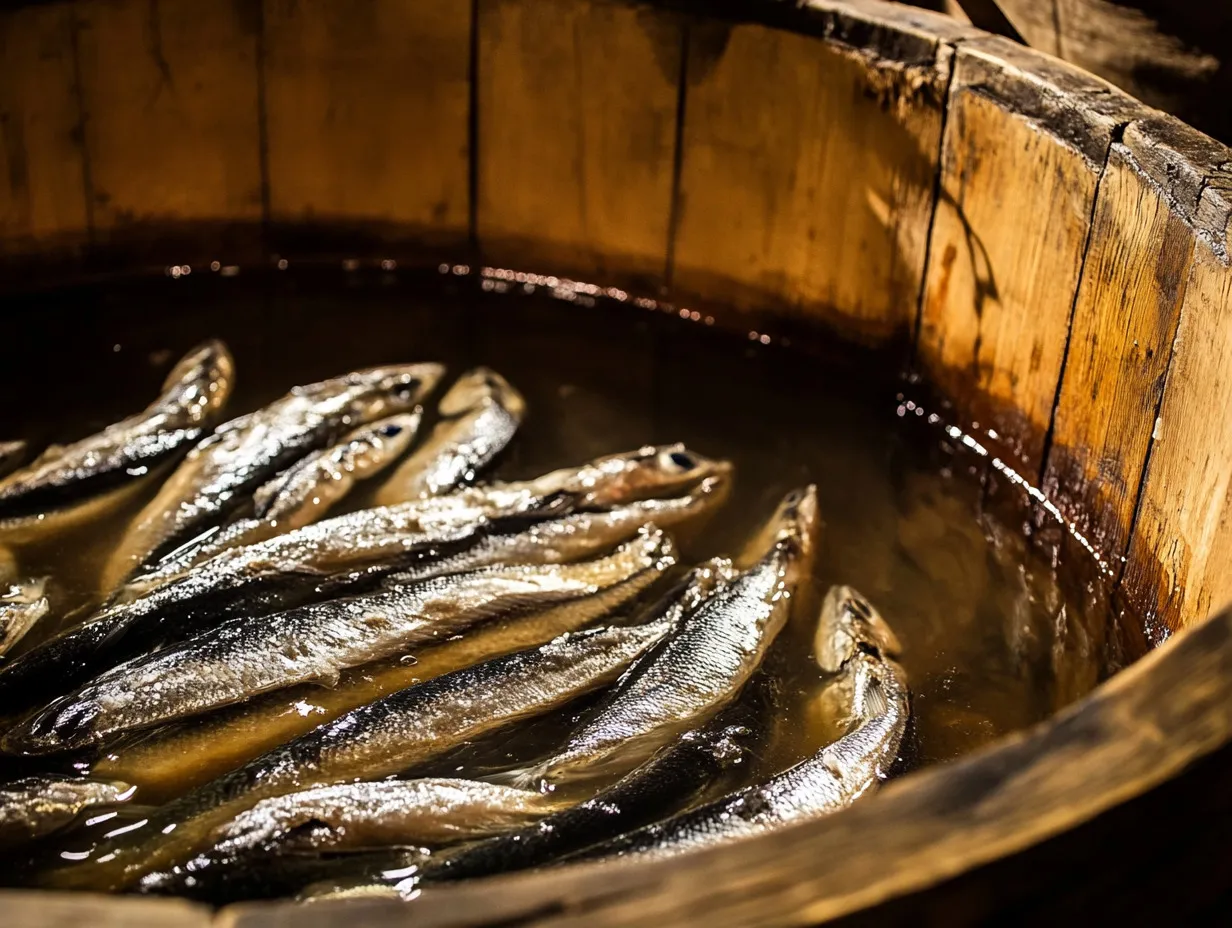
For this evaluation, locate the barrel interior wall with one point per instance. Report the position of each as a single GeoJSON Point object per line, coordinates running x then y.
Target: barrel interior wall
{"type": "Point", "coordinates": [882, 171]}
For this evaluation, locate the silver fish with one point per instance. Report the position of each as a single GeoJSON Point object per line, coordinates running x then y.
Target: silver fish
{"type": "Point", "coordinates": [247, 656]}
{"type": "Point", "coordinates": [359, 550]}
{"type": "Point", "coordinates": [37, 806]}
{"type": "Point", "coordinates": [479, 416]}
{"type": "Point", "coordinates": [22, 604]}
{"type": "Point", "coordinates": [386, 737]}
{"type": "Point", "coordinates": [389, 813]}
{"type": "Point", "coordinates": [192, 396]}
{"type": "Point", "coordinates": [853, 635]}
{"type": "Point", "coordinates": [704, 663]}
{"type": "Point", "coordinates": [170, 762]}
{"type": "Point", "coordinates": [243, 453]}
{"type": "Point", "coordinates": [299, 495]}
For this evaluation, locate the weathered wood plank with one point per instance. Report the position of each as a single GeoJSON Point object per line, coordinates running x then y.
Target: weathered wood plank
{"type": "Point", "coordinates": [577, 126]}
{"type": "Point", "coordinates": [1180, 559]}
{"type": "Point", "coordinates": [1120, 343]}
{"type": "Point", "coordinates": [345, 144]}
{"type": "Point", "coordinates": [1025, 138]}
{"type": "Point", "coordinates": [807, 176]}
{"type": "Point", "coordinates": [42, 175]}
{"type": "Point", "coordinates": [170, 93]}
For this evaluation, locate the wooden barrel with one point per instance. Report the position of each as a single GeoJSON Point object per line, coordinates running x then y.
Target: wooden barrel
{"type": "Point", "coordinates": [1050, 253]}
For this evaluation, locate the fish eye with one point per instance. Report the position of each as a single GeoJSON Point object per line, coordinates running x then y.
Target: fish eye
{"type": "Point", "coordinates": [391, 430]}
{"type": "Point", "coordinates": [682, 460]}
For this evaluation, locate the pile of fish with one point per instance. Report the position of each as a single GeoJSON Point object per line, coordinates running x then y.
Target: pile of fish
{"type": "Point", "coordinates": [263, 695]}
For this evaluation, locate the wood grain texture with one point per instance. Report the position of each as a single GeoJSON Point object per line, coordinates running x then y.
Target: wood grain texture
{"type": "Point", "coordinates": [346, 143]}
{"type": "Point", "coordinates": [576, 136]}
{"type": "Point", "coordinates": [170, 94]}
{"type": "Point", "coordinates": [1180, 560]}
{"type": "Point", "coordinates": [42, 174]}
{"type": "Point", "coordinates": [998, 294]}
{"type": "Point", "coordinates": [1124, 322]}
{"type": "Point", "coordinates": [807, 177]}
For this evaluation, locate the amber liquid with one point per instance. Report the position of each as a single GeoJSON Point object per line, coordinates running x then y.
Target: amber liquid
{"type": "Point", "coordinates": [992, 642]}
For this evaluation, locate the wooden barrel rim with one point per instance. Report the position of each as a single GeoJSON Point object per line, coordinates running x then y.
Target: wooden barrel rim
{"type": "Point", "coordinates": [1148, 724]}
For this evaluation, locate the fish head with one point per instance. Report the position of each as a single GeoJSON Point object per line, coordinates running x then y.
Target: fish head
{"type": "Point", "coordinates": [848, 626]}
{"type": "Point", "coordinates": [649, 472]}
{"type": "Point", "coordinates": [792, 531]}
{"type": "Point", "coordinates": [372, 447]}
{"type": "Point", "coordinates": [382, 391]}
{"type": "Point", "coordinates": [476, 388]}
{"type": "Point", "coordinates": [209, 371]}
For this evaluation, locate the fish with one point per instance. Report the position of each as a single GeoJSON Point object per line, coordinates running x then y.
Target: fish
{"type": "Point", "coordinates": [349, 817]}
{"type": "Point", "coordinates": [713, 650]}
{"type": "Point", "coordinates": [222, 470]}
{"type": "Point", "coordinates": [192, 398]}
{"type": "Point", "coordinates": [11, 453]}
{"type": "Point", "coordinates": [479, 416]}
{"type": "Point", "coordinates": [34, 807]}
{"type": "Point", "coordinates": [854, 639]}
{"type": "Point", "coordinates": [677, 775]}
{"type": "Point", "coordinates": [248, 656]}
{"type": "Point", "coordinates": [358, 551]}
{"type": "Point", "coordinates": [21, 607]}
{"type": "Point", "coordinates": [167, 762]}
{"type": "Point", "coordinates": [298, 496]}
{"type": "Point", "coordinates": [390, 736]}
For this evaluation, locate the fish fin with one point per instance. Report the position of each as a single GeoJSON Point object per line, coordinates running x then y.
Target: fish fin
{"type": "Point", "coordinates": [874, 701]}
{"type": "Point", "coordinates": [528, 778]}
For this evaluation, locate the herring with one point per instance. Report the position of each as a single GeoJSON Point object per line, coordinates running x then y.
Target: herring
{"type": "Point", "coordinates": [193, 395]}
{"type": "Point", "coordinates": [854, 638]}
{"type": "Point", "coordinates": [248, 656]}
{"type": "Point", "coordinates": [390, 736]}
{"type": "Point", "coordinates": [37, 806]}
{"type": "Point", "coordinates": [22, 604]}
{"type": "Point", "coordinates": [360, 550]}
{"type": "Point", "coordinates": [704, 663]}
{"type": "Point", "coordinates": [219, 473]}
{"type": "Point", "coordinates": [479, 416]}
{"type": "Point", "coordinates": [299, 495]}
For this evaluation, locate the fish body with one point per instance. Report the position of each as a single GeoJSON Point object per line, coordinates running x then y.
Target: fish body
{"type": "Point", "coordinates": [357, 551]}
{"type": "Point", "coordinates": [677, 775]}
{"type": "Point", "coordinates": [703, 664]}
{"type": "Point", "coordinates": [248, 656]}
{"type": "Point", "coordinates": [299, 495]}
{"type": "Point", "coordinates": [390, 736]}
{"type": "Point", "coordinates": [21, 606]}
{"type": "Point", "coordinates": [220, 472]}
{"type": "Point", "coordinates": [33, 807]}
{"type": "Point", "coordinates": [480, 414]}
{"type": "Point", "coordinates": [192, 396]}
{"type": "Point", "coordinates": [169, 762]}
{"type": "Point", "coordinates": [834, 777]}
{"type": "Point", "coordinates": [349, 817]}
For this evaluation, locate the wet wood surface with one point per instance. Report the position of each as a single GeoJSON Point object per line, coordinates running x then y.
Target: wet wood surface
{"type": "Point", "coordinates": [806, 174]}
{"type": "Point", "coordinates": [42, 177]}
{"type": "Point", "coordinates": [994, 320]}
{"type": "Point", "coordinates": [576, 137]}
{"type": "Point", "coordinates": [345, 143]}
